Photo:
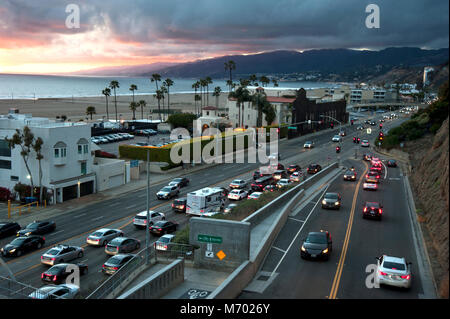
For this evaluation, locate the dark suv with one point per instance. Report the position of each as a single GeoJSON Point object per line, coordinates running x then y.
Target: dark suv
{"type": "Point", "coordinates": [179, 205]}
{"type": "Point", "coordinates": [262, 182]}
{"type": "Point", "coordinates": [314, 168]}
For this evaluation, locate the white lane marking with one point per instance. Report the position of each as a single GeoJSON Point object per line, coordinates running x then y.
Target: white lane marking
{"type": "Point", "coordinates": [131, 206]}
{"type": "Point", "coordinates": [283, 251]}
{"type": "Point", "coordinates": [385, 170]}
{"type": "Point", "coordinates": [80, 215]}
{"type": "Point", "coordinates": [60, 231]}
{"type": "Point", "coordinates": [142, 195]}
{"type": "Point", "coordinates": [298, 233]}
{"type": "Point", "coordinates": [114, 204]}
{"type": "Point", "coordinates": [298, 220]}
{"type": "Point", "coordinates": [97, 218]}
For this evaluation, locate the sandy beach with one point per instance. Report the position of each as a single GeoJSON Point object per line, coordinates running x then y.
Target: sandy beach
{"type": "Point", "coordinates": [75, 109]}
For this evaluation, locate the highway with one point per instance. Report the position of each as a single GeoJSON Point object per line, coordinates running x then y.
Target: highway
{"type": "Point", "coordinates": [74, 227]}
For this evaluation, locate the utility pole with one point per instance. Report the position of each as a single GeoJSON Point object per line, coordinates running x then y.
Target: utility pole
{"type": "Point", "coordinates": [147, 226]}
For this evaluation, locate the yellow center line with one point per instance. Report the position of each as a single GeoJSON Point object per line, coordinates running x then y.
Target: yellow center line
{"type": "Point", "coordinates": [337, 277]}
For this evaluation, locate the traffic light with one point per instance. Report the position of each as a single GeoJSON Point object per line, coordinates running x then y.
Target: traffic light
{"type": "Point", "coordinates": [380, 136]}
{"type": "Point", "coordinates": [331, 125]}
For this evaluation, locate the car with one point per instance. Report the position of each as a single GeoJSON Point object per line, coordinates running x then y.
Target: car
{"type": "Point", "coordinates": [372, 123]}
{"type": "Point", "coordinates": [63, 291]}
{"type": "Point", "coordinates": [317, 245]}
{"type": "Point", "coordinates": [254, 195]}
{"type": "Point", "coordinates": [293, 168]}
{"type": "Point", "coordinates": [8, 229]}
{"type": "Point", "coordinates": [60, 254]}
{"type": "Point", "coordinates": [313, 168]}
{"type": "Point", "coordinates": [365, 143]}
{"type": "Point", "coordinates": [331, 201]}
{"type": "Point", "coordinates": [283, 182]}
{"type": "Point", "coordinates": [59, 273]}
{"type": "Point", "coordinates": [102, 140]}
{"type": "Point", "coordinates": [122, 245]}
{"type": "Point", "coordinates": [372, 177]}
{"type": "Point", "coordinates": [370, 186]}
{"type": "Point", "coordinates": [376, 168]}
{"type": "Point", "coordinates": [168, 192]}
{"type": "Point", "coordinates": [163, 227]}
{"type": "Point", "coordinates": [367, 157]}
{"type": "Point", "coordinates": [393, 271]}
{"type": "Point", "coordinates": [336, 138]}
{"type": "Point", "coordinates": [342, 133]}
{"type": "Point", "coordinates": [163, 243]}
{"type": "Point", "coordinates": [373, 210]}
{"type": "Point", "coordinates": [238, 184]}
{"type": "Point", "coordinates": [272, 168]}
{"type": "Point", "coordinates": [237, 194]}
{"type": "Point", "coordinates": [22, 245]}
{"type": "Point", "coordinates": [391, 163]}
{"type": "Point", "coordinates": [262, 182]}
{"type": "Point", "coordinates": [113, 264]}
{"type": "Point", "coordinates": [279, 174]}
{"type": "Point", "coordinates": [224, 191]}
{"type": "Point", "coordinates": [350, 175]}
{"type": "Point", "coordinates": [275, 156]}
{"type": "Point", "coordinates": [308, 144]}
{"type": "Point", "coordinates": [140, 220]}
{"type": "Point", "coordinates": [229, 208]}
{"type": "Point", "coordinates": [367, 122]}
{"type": "Point", "coordinates": [181, 182]}
{"type": "Point", "coordinates": [360, 127]}
{"type": "Point", "coordinates": [37, 228]}
{"type": "Point", "coordinates": [102, 236]}
{"type": "Point", "coordinates": [179, 205]}
{"type": "Point", "coordinates": [296, 176]}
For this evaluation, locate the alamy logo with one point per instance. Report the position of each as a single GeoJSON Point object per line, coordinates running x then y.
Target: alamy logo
{"type": "Point", "coordinates": [371, 281]}
{"type": "Point", "coordinates": [74, 277]}
{"type": "Point", "coordinates": [73, 19]}
{"type": "Point", "coordinates": [373, 19]}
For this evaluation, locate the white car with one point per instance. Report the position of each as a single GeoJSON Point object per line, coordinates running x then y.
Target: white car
{"type": "Point", "coordinates": [237, 194]}
{"type": "Point", "coordinates": [336, 138]}
{"type": "Point", "coordinates": [365, 143]}
{"type": "Point", "coordinates": [238, 183]}
{"type": "Point", "coordinates": [102, 236]}
{"type": "Point", "coordinates": [308, 144]}
{"type": "Point", "coordinates": [274, 156]}
{"type": "Point", "coordinates": [296, 176]}
{"type": "Point", "coordinates": [370, 186]}
{"type": "Point", "coordinates": [393, 271]}
{"type": "Point", "coordinates": [254, 195]}
{"type": "Point", "coordinates": [283, 182]}
{"type": "Point", "coordinates": [163, 242]}
{"type": "Point", "coordinates": [63, 291]}
{"type": "Point", "coordinates": [140, 220]}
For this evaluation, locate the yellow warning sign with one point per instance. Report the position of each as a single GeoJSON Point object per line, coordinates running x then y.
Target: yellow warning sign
{"type": "Point", "coordinates": [221, 255]}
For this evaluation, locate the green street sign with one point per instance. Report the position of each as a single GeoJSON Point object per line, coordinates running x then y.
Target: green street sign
{"type": "Point", "coordinates": [292, 127]}
{"type": "Point", "coordinates": [209, 239]}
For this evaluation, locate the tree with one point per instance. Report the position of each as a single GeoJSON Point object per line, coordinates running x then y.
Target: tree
{"type": "Point", "coordinates": [155, 78]}
{"type": "Point", "coordinates": [133, 88]}
{"type": "Point", "coordinates": [195, 86]}
{"type": "Point", "coordinates": [142, 104]}
{"type": "Point", "coordinates": [168, 83]}
{"type": "Point", "coordinates": [115, 85]}
{"type": "Point", "coordinates": [229, 84]}
{"type": "Point", "coordinates": [217, 91]}
{"type": "Point", "coordinates": [203, 84]}
{"type": "Point", "coordinates": [259, 99]}
{"type": "Point", "coordinates": [197, 98]}
{"type": "Point", "coordinates": [264, 80]}
{"type": "Point", "coordinates": [107, 92]}
{"type": "Point", "coordinates": [275, 82]}
{"type": "Point", "coordinates": [252, 79]}
{"type": "Point", "coordinates": [269, 113]}
{"type": "Point", "coordinates": [241, 95]}
{"type": "Point", "coordinates": [25, 141]}
{"type": "Point", "coordinates": [90, 110]}
{"type": "Point", "coordinates": [164, 91]}
{"type": "Point", "coordinates": [229, 66]}
{"type": "Point", "coordinates": [208, 81]}
{"type": "Point", "coordinates": [181, 120]}
{"type": "Point", "coordinates": [37, 146]}
{"type": "Point", "coordinates": [133, 107]}
{"type": "Point", "coordinates": [159, 95]}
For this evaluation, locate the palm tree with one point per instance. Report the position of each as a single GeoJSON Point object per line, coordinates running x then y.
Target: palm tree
{"type": "Point", "coordinates": [229, 84]}
{"type": "Point", "coordinates": [253, 79]}
{"type": "Point", "coordinates": [37, 147]}
{"type": "Point", "coordinates": [133, 107]}
{"type": "Point", "coordinates": [264, 80]}
{"type": "Point", "coordinates": [259, 99]}
{"type": "Point", "coordinates": [242, 95]}
{"type": "Point", "coordinates": [275, 82]}
{"type": "Point", "coordinates": [115, 85]}
{"type": "Point", "coordinates": [229, 66]}
{"type": "Point", "coordinates": [164, 91]}
{"type": "Point", "coordinates": [155, 78]}
{"type": "Point", "coordinates": [159, 95]}
{"type": "Point", "coordinates": [168, 83]}
{"type": "Point", "coordinates": [195, 86]}
{"type": "Point", "coordinates": [107, 92]}
{"type": "Point", "coordinates": [90, 110]}
{"type": "Point", "coordinates": [133, 88]}
{"type": "Point", "coordinates": [217, 91]}
{"type": "Point", "coordinates": [208, 81]}
{"type": "Point", "coordinates": [197, 98]}
{"type": "Point", "coordinates": [142, 104]}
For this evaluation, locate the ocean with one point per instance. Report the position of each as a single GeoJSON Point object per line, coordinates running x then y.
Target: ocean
{"type": "Point", "coordinates": [15, 86]}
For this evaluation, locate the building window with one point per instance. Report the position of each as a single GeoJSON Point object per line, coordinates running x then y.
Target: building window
{"type": "Point", "coordinates": [4, 149]}
{"type": "Point", "coordinates": [83, 168]}
{"type": "Point", "coordinates": [60, 149]}
{"type": "Point", "coordinates": [85, 149]}
{"type": "Point", "coordinates": [14, 178]}
{"type": "Point", "coordinates": [80, 149]}
{"type": "Point", "coordinates": [5, 164]}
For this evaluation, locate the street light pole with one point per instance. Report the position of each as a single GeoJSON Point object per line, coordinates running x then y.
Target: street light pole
{"type": "Point", "coordinates": [147, 228]}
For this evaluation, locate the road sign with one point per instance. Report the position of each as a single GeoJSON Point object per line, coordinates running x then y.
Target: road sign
{"type": "Point", "coordinates": [209, 254]}
{"type": "Point", "coordinates": [292, 127]}
{"type": "Point", "coordinates": [209, 239]}
{"type": "Point", "coordinates": [369, 131]}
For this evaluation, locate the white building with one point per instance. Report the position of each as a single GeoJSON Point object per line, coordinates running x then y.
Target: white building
{"type": "Point", "coordinates": [67, 163]}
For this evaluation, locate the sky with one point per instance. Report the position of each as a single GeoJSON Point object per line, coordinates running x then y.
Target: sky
{"type": "Point", "coordinates": [35, 37]}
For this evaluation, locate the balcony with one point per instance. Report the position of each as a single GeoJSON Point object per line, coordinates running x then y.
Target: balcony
{"type": "Point", "coordinates": [58, 161]}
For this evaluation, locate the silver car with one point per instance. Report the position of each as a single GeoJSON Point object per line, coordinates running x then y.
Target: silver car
{"type": "Point", "coordinates": [140, 220]}
{"type": "Point", "coordinates": [102, 236]}
{"type": "Point", "coordinates": [393, 271]}
{"type": "Point", "coordinates": [168, 192]}
{"type": "Point", "coordinates": [60, 254]}
{"type": "Point", "coordinates": [121, 245]}
{"type": "Point", "coordinates": [63, 291]}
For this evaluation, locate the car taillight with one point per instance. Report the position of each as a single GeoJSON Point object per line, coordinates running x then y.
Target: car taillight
{"type": "Point", "coordinates": [159, 229]}
{"type": "Point", "coordinates": [55, 278]}
{"type": "Point", "coordinates": [382, 273]}
{"type": "Point", "coordinates": [115, 268]}
{"type": "Point", "coordinates": [380, 210]}
{"type": "Point", "coordinates": [165, 246]}
{"type": "Point", "coordinates": [260, 185]}
{"type": "Point", "coordinates": [378, 176]}
{"type": "Point", "coordinates": [173, 205]}
{"type": "Point", "coordinates": [134, 219]}
{"type": "Point", "coordinates": [103, 266]}
{"type": "Point", "coordinates": [53, 259]}
{"type": "Point", "coordinates": [407, 277]}
{"type": "Point", "coordinates": [365, 209]}
{"type": "Point", "coordinates": [42, 275]}
{"type": "Point", "coordinates": [202, 210]}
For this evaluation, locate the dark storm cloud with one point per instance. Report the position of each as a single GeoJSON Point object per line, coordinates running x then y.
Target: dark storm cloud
{"type": "Point", "coordinates": [238, 25]}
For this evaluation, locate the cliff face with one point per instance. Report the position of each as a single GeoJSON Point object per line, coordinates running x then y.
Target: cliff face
{"type": "Point", "coordinates": [429, 158]}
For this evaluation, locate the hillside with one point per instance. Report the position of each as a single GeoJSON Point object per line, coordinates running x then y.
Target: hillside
{"type": "Point", "coordinates": [429, 157]}
{"type": "Point", "coordinates": [342, 64]}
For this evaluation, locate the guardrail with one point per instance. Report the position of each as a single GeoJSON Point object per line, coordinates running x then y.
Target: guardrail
{"type": "Point", "coordinates": [24, 207]}
{"type": "Point", "coordinates": [12, 289]}
{"type": "Point", "coordinates": [109, 288]}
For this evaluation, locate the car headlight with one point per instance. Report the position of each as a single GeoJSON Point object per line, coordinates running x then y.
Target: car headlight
{"type": "Point", "coordinates": [303, 248]}
{"type": "Point", "coordinates": [325, 251]}
{"type": "Point", "coordinates": [27, 234]}
{"type": "Point", "coordinates": [324, 202]}
{"type": "Point", "coordinates": [12, 250]}
{"type": "Point", "coordinates": [336, 203]}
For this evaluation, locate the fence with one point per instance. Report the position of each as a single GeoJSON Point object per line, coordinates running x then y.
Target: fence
{"type": "Point", "coordinates": [11, 289]}
{"type": "Point", "coordinates": [25, 207]}
{"type": "Point", "coordinates": [172, 251]}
